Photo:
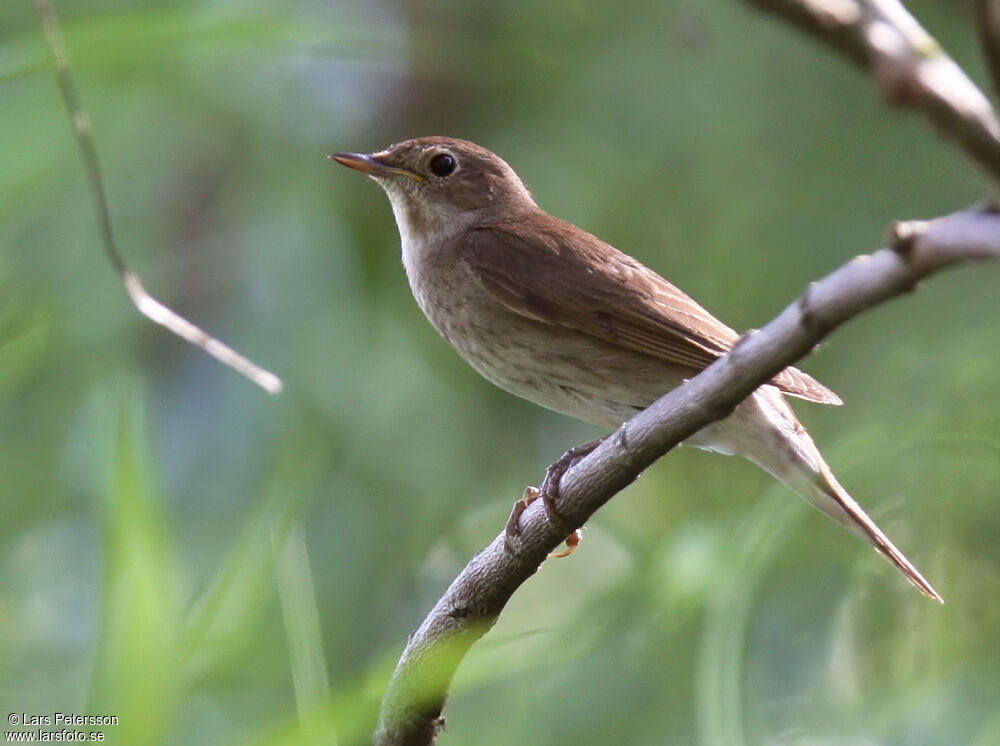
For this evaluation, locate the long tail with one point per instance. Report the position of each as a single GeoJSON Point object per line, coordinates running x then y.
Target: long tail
{"type": "Point", "coordinates": [839, 505]}
{"type": "Point", "coordinates": [800, 465]}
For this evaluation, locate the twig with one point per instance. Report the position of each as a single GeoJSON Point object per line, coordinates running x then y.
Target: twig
{"type": "Point", "coordinates": [988, 27]}
{"type": "Point", "coordinates": [907, 65]}
{"type": "Point", "coordinates": [147, 305]}
{"type": "Point", "coordinates": [411, 708]}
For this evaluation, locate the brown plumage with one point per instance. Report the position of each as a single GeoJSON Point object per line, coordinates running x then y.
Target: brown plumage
{"type": "Point", "coordinates": [594, 288]}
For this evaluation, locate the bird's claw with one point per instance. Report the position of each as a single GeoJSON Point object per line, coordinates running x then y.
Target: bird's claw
{"type": "Point", "coordinates": [549, 492]}
{"type": "Point", "coordinates": [572, 542]}
{"type": "Point", "coordinates": [512, 531]}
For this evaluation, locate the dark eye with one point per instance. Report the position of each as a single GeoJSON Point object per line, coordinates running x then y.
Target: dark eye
{"type": "Point", "coordinates": [443, 164]}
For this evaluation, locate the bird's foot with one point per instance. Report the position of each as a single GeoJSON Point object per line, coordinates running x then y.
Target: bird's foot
{"type": "Point", "coordinates": [549, 492]}
{"type": "Point", "coordinates": [530, 495]}
{"type": "Point", "coordinates": [513, 530]}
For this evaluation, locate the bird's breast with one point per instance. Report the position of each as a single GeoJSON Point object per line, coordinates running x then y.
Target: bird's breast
{"type": "Point", "coordinates": [555, 367]}
{"type": "Point", "coordinates": [452, 299]}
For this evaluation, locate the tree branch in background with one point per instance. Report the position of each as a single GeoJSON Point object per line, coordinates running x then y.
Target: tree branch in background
{"type": "Point", "coordinates": [988, 26]}
{"type": "Point", "coordinates": [147, 305]}
{"type": "Point", "coordinates": [906, 63]}
{"type": "Point", "coordinates": [411, 708]}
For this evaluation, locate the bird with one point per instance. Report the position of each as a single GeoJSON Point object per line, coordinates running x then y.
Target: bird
{"type": "Point", "coordinates": [553, 314]}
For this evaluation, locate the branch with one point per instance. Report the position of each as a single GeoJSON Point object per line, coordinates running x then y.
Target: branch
{"type": "Point", "coordinates": [411, 708]}
{"type": "Point", "coordinates": [147, 305]}
{"type": "Point", "coordinates": [907, 65]}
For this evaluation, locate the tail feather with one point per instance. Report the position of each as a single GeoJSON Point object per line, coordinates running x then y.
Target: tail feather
{"type": "Point", "coordinates": [840, 506]}
{"type": "Point", "coordinates": [779, 444]}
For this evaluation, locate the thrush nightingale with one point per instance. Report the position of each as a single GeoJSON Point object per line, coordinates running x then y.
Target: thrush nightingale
{"type": "Point", "coordinates": [557, 316]}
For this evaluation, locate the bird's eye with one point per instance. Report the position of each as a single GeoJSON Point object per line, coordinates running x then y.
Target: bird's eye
{"type": "Point", "coordinates": [443, 164]}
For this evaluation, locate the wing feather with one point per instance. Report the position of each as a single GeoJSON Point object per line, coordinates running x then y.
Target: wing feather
{"type": "Point", "coordinates": [601, 291]}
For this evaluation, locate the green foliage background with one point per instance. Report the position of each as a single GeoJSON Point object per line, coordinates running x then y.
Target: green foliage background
{"type": "Point", "coordinates": [215, 566]}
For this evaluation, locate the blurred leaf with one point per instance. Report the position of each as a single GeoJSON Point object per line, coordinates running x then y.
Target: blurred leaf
{"type": "Point", "coordinates": [138, 672]}
{"type": "Point", "coordinates": [24, 340]}
{"type": "Point", "coordinates": [302, 627]}
{"type": "Point", "coordinates": [350, 712]}
{"type": "Point", "coordinates": [222, 620]}
{"type": "Point", "coordinates": [719, 677]}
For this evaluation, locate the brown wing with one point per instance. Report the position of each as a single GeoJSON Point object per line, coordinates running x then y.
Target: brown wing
{"type": "Point", "coordinates": [600, 291]}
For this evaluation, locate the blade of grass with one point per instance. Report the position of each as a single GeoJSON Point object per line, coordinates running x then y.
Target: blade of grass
{"type": "Point", "coordinates": [137, 676]}
{"type": "Point", "coordinates": [302, 628]}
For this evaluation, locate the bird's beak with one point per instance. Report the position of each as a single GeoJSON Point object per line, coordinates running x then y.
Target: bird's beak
{"type": "Point", "coordinates": [373, 164]}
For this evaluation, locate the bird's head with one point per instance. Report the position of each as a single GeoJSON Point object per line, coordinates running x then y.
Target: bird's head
{"type": "Point", "coordinates": [441, 184]}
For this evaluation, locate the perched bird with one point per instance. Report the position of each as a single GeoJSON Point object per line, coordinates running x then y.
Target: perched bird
{"type": "Point", "coordinates": [557, 316]}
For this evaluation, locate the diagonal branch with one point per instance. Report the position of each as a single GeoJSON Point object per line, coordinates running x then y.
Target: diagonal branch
{"type": "Point", "coordinates": [411, 708]}
{"type": "Point", "coordinates": [907, 65]}
{"type": "Point", "coordinates": [147, 305]}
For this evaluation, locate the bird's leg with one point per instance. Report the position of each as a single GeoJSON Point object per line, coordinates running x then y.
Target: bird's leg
{"type": "Point", "coordinates": [529, 496]}
{"type": "Point", "coordinates": [549, 492]}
